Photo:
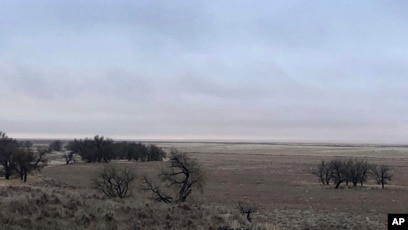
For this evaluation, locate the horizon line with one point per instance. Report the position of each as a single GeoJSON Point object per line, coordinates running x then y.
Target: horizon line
{"type": "Point", "coordinates": [229, 140]}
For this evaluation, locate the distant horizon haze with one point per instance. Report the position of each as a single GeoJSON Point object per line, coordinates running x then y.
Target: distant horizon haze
{"type": "Point", "coordinates": [67, 137]}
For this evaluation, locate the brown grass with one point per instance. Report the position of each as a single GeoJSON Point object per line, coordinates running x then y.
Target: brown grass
{"type": "Point", "coordinates": [50, 207]}
{"type": "Point", "coordinates": [273, 178]}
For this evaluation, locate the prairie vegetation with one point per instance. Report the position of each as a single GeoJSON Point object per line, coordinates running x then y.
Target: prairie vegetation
{"type": "Point", "coordinates": [52, 207]}
{"type": "Point", "coordinates": [247, 186]}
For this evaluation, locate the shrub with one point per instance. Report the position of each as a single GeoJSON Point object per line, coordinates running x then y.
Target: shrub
{"type": "Point", "coordinates": [114, 182]}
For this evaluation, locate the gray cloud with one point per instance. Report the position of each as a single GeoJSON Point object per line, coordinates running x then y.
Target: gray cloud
{"type": "Point", "coordinates": [281, 70]}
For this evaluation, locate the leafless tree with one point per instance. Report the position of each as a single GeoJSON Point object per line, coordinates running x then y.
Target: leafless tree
{"type": "Point", "coordinates": [364, 169]}
{"type": "Point", "coordinates": [184, 175]}
{"type": "Point", "coordinates": [69, 156]}
{"type": "Point", "coordinates": [158, 194]}
{"type": "Point", "coordinates": [55, 146]}
{"type": "Point", "coordinates": [381, 174]}
{"type": "Point", "coordinates": [39, 158]}
{"type": "Point", "coordinates": [357, 171]}
{"type": "Point", "coordinates": [339, 172]}
{"type": "Point", "coordinates": [114, 182]}
{"type": "Point", "coordinates": [22, 159]}
{"type": "Point", "coordinates": [323, 172]}
{"type": "Point", "coordinates": [155, 153]}
{"type": "Point", "coordinates": [26, 160]}
{"type": "Point", "coordinates": [347, 170]}
{"type": "Point", "coordinates": [7, 148]}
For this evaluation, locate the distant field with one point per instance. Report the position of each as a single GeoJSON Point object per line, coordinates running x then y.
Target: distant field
{"type": "Point", "coordinates": [275, 178]}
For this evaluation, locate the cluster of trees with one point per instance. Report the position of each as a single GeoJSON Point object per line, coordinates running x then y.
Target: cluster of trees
{"type": "Point", "coordinates": [103, 150]}
{"type": "Point", "coordinates": [55, 146]}
{"type": "Point", "coordinates": [355, 171]}
{"type": "Point", "coordinates": [19, 157]}
{"type": "Point", "coordinates": [182, 176]}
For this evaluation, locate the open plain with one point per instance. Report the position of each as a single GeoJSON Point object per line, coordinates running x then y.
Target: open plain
{"type": "Point", "coordinates": [273, 178]}
{"type": "Point", "coordinates": [276, 178]}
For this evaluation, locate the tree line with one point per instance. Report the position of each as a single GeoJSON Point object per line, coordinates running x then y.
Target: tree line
{"type": "Point", "coordinates": [103, 150]}
{"type": "Point", "coordinates": [19, 157]}
{"type": "Point", "coordinates": [355, 171]}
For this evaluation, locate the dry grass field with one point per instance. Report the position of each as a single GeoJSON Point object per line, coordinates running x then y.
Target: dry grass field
{"type": "Point", "coordinates": [274, 178]}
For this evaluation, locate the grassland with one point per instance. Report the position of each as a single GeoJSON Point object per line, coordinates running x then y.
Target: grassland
{"type": "Point", "coordinates": [274, 178]}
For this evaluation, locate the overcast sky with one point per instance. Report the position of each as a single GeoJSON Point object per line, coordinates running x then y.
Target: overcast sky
{"type": "Point", "coordinates": [241, 70]}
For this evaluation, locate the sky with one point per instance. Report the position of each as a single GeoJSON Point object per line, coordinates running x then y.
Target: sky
{"type": "Point", "coordinates": [311, 71]}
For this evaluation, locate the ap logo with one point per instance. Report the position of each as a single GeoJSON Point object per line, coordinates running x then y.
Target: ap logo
{"type": "Point", "coordinates": [397, 221]}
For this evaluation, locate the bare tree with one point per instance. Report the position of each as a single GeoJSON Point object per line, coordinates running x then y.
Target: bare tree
{"type": "Point", "coordinates": [364, 169]}
{"type": "Point", "coordinates": [323, 172]}
{"type": "Point", "coordinates": [158, 194]}
{"type": "Point", "coordinates": [357, 171]}
{"type": "Point", "coordinates": [381, 174]}
{"type": "Point", "coordinates": [338, 172]}
{"type": "Point", "coordinates": [27, 160]}
{"type": "Point", "coordinates": [104, 151]}
{"type": "Point", "coordinates": [55, 146]}
{"type": "Point", "coordinates": [73, 148]}
{"type": "Point", "coordinates": [155, 153]}
{"type": "Point", "coordinates": [69, 156]}
{"type": "Point", "coordinates": [98, 149]}
{"type": "Point", "coordinates": [39, 158]}
{"type": "Point", "coordinates": [7, 148]}
{"type": "Point", "coordinates": [184, 175]}
{"type": "Point", "coordinates": [114, 182]}
{"type": "Point", "coordinates": [22, 159]}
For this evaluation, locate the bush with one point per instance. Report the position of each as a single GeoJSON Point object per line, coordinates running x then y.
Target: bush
{"type": "Point", "coordinates": [114, 182]}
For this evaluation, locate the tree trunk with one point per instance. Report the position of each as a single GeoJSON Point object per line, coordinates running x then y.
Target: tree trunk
{"type": "Point", "coordinates": [338, 184]}
{"type": "Point", "coordinates": [7, 174]}
{"type": "Point", "coordinates": [25, 175]}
